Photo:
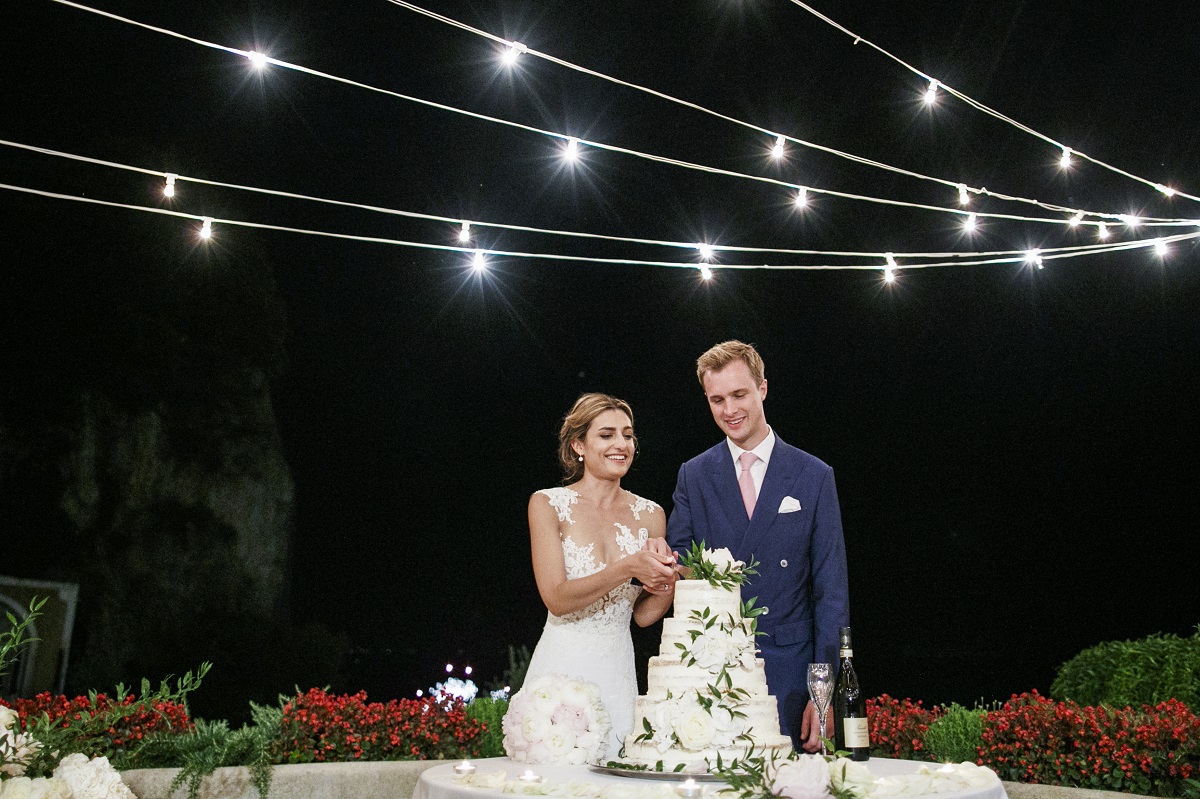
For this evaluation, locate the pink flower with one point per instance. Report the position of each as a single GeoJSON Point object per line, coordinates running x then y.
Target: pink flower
{"type": "Point", "coordinates": [572, 717]}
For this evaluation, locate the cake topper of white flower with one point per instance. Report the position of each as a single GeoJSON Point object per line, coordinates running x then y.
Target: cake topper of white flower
{"type": "Point", "coordinates": [718, 566]}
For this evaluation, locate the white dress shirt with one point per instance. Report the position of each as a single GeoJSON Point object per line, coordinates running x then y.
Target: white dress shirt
{"type": "Point", "coordinates": [758, 470]}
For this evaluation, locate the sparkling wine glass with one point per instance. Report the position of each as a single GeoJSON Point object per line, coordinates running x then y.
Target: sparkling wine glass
{"type": "Point", "coordinates": [820, 690]}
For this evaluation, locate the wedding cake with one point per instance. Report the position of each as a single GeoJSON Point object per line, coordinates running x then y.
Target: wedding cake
{"type": "Point", "coordinates": [706, 693]}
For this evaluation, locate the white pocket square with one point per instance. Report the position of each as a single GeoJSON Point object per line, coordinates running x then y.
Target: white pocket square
{"type": "Point", "coordinates": [789, 505]}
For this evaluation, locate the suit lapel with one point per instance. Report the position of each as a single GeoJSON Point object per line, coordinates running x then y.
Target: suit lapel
{"type": "Point", "coordinates": [729, 500]}
{"type": "Point", "coordinates": [781, 473]}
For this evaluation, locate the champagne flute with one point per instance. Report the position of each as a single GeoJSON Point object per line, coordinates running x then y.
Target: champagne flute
{"type": "Point", "coordinates": [820, 690]}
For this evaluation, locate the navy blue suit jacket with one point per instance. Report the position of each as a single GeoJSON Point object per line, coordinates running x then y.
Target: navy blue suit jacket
{"type": "Point", "coordinates": [801, 583]}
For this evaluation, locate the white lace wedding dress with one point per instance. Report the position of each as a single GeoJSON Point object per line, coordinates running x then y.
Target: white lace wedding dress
{"type": "Point", "coordinates": [595, 643]}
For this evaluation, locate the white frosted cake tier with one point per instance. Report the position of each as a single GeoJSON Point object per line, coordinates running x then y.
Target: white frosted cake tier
{"type": "Point", "coordinates": [762, 715]}
{"type": "Point", "coordinates": [668, 673]}
{"type": "Point", "coordinates": [675, 631]}
{"type": "Point", "coordinates": [764, 746]}
{"type": "Point", "coordinates": [699, 595]}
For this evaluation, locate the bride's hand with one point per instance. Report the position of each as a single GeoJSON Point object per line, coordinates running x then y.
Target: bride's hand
{"type": "Point", "coordinates": [654, 570]}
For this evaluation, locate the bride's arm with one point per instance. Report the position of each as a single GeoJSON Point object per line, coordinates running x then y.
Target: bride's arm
{"type": "Point", "coordinates": [564, 596]}
{"type": "Point", "coordinates": [650, 607]}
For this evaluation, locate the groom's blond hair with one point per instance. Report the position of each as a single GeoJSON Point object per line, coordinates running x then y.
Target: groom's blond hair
{"type": "Point", "coordinates": [725, 353]}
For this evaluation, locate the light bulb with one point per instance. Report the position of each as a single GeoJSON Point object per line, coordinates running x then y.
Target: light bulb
{"type": "Point", "coordinates": [801, 197]}
{"type": "Point", "coordinates": [1034, 257]}
{"type": "Point", "coordinates": [889, 275]}
{"type": "Point", "coordinates": [1160, 247]}
{"type": "Point", "coordinates": [480, 263]}
{"type": "Point", "coordinates": [1166, 190]}
{"type": "Point", "coordinates": [1102, 230]}
{"type": "Point", "coordinates": [169, 188]}
{"type": "Point", "coordinates": [464, 233]}
{"type": "Point", "coordinates": [971, 223]}
{"type": "Point", "coordinates": [1065, 159]}
{"type": "Point", "coordinates": [1076, 219]}
{"type": "Point", "coordinates": [706, 251]}
{"type": "Point", "coordinates": [512, 53]}
{"type": "Point", "coordinates": [449, 667]}
{"type": "Point", "coordinates": [257, 59]}
{"type": "Point", "coordinates": [963, 197]}
{"type": "Point", "coordinates": [571, 151]}
{"type": "Point", "coordinates": [1130, 220]}
{"type": "Point", "coordinates": [206, 229]}
{"type": "Point", "coordinates": [705, 272]}
{"type": "Point", "coordinates": [777, 150]}
{"type": "Point", "coordinates": [931, 93]}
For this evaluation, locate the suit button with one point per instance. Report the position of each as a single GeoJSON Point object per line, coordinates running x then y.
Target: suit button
{"type": "Point", "coordinates": [783, 563]}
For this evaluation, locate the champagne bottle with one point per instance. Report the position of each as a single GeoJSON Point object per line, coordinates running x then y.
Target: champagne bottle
{"type": "Point", "coordinates": [850, 731]}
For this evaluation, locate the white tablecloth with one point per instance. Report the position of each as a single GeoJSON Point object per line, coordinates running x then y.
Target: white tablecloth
{"type": "Point", "coordinates": [439, 781]}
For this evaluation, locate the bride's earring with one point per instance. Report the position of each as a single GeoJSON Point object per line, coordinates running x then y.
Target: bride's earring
{"type": "Point", "coordinates": [581, 459]}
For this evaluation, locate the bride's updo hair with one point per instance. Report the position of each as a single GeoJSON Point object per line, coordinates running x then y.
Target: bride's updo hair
{"type": "Point", "coordinates": [575, 426]}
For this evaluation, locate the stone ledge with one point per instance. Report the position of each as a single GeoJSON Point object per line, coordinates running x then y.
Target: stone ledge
{"type": "Point", "coordinates": [397, 779]}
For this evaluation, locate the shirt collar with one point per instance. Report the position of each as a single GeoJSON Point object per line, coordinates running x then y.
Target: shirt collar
{"type": "Point", "coordinates": [763, 450]}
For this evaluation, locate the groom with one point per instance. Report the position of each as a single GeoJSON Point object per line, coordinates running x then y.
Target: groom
{"type": "Point", "coordinates": [768, 501]}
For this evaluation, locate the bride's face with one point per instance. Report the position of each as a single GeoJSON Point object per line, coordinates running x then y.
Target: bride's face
{"type": "Point", "coordinates": [607, 447]}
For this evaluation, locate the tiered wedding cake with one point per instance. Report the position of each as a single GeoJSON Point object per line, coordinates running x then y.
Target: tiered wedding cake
{"type": "Point", "coordinates": [706, 689]}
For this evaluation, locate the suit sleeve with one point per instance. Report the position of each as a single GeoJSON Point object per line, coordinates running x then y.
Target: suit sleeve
{"type": "Point", "coordinates": [830, 584]}
{"type": "Point", "coordinates": [680, 532]}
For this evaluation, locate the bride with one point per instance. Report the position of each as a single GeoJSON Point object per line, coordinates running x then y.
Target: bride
{"type": "Point", "coordinates": [590, 539]}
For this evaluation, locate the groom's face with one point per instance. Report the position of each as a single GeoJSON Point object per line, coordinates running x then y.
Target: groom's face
{"type": "Point", "coordinates": [737, 403]}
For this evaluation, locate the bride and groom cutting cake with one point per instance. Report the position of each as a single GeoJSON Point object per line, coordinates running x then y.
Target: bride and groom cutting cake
{"type": "Point", "coordinates": [603, 555]}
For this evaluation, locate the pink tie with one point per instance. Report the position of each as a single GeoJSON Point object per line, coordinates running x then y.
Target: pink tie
{"type": "Point", "coordinates": [746, 482]}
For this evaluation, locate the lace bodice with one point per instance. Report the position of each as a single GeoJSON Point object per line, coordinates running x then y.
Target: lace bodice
{"type": "Point", "coordinates": [612, 611]}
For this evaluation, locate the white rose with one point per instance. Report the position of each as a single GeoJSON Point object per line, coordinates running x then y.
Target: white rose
{"type": "Point", "coordinates": [807, 777]}
{"type": "Point", "coordinates": [92, 779]}
{"type": "Point", "coordinates": [559, 741]}
{"type": "Point", "coordinates": [579, 693]}
{"type": "Point", "coordinates": [588, 741]}
{"type": "Point", "coordinates": [722, 560]}
{"type": "Point", "coordinates": [727, 727]}
{"type": "Point", "coordinates": [846, 775]}
{"type": "Point", "coordinates": [535, 727]}
{"type": "Point", "coordinates": [545, 696]}
{"type": "Point", "coordinates": [694, 728]}
{"type": "Point", "coordinates": [8, 718]}
{"type": "Point", "coordinates": [51, 788]}
{"type": "Point", "coordinates": [709, 650]}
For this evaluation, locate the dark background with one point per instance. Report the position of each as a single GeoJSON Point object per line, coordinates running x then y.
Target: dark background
{"type": "Point", "coordinates": [1015, 449]}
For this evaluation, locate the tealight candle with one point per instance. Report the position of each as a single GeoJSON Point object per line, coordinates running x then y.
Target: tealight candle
{"type": "Point", "coordinates": [529, 776]}
{"type": "Point", "coordinates": [464, 768]}
{"type": "Point", "coordinates": [689, 789]}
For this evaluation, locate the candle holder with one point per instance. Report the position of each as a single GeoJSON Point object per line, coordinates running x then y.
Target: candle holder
{"type": "Point", "coordinates": [464, 768]}
{"type": "Point", "coordinates": [689, 789]}
{"type": "Point", "coordinates": [530, 777]}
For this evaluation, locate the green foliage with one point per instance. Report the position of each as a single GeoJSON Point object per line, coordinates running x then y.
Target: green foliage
{"type": "Point", "coordinates": [518, 664]}
{"type": "Point", "coordinates": [212, 745]}
{"type": "Point", "coordinates": [1133, 673]}
{"type": "Point", "coordinates": [955, 737]}
{"type": "Point", "coordinates": [490, 713]}
{"type": "Point", "coordinates": [698, 568]}
{"type": "Point", "coordinates": [13, 640]}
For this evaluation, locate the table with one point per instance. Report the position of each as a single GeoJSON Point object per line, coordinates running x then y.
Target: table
{"type": "Point", "coordinates": [440, 782]}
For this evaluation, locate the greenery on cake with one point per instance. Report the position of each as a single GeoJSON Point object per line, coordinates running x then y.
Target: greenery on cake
{"type": "Point", "coordinates": [717, 566]}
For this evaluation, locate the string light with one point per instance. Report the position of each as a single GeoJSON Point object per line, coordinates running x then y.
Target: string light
{"type": "Point", "coordinates": [464, 233]}
{"type": "Point", "coordinates": [706, 251]}
{"type": "Point", "coordinates": [1064, 160]}
{"type": "Point", "coordinates": [801, 197]}
{"type": "Point", "coordinates": [971, 223]}
{"type": "Point", "coordinates": [257, 59]}
{"type": "Point", "coordinates": [706, 272]}
{"type": "Point", "coordinates": [1130, 221]}
{"type": "Point", "coordinates": [963, 197]}
{"type": "Point", "coordinates": [777, 150]}
{"type": "Point", "coordinates": [169, 188]}
{"type": "Point", "coordinates": [1166, 190]}
{"type": "Point", "coordinates": [206, 228]}
{"type": "Point", "coordinates": [889, 271]}
{"type": "Point", "coordinates": [571, 151]}
{"type": "Point", "coordinates": [479, 263]}
{"type": "Point", "coordinates": [1161, 247]}
{"type": "Point", "coordinates": [1034, 257]}
{"type": "Point", "coordinates": [1075, 220]}
{"type": "Point", "coordinates": [931, 94]}
{"type": "Point", "coordinates": [511, 53]}
{"type": "Point", "coordinates": [1101, 231]}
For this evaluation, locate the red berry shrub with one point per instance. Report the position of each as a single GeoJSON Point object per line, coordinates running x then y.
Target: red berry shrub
{"type": "Point", "coordinates": [898, 727]}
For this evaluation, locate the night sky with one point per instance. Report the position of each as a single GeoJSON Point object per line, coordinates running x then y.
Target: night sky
{"type": "Point", "coordinates": [1015, 449]}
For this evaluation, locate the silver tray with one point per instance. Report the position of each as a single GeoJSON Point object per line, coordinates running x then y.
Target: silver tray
{"type": "Point", "coordinates": [649, 774]}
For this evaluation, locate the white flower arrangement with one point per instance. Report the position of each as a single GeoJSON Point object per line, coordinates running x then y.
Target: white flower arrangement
{"type": "Point", "coordinates": [556, 719]}
{"type": "Point", "coordinates": [717, 566]}
{"type": "Point", "coordinates": [75, 777]}
{"type": "Point", "coordinates": [693, 722]}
